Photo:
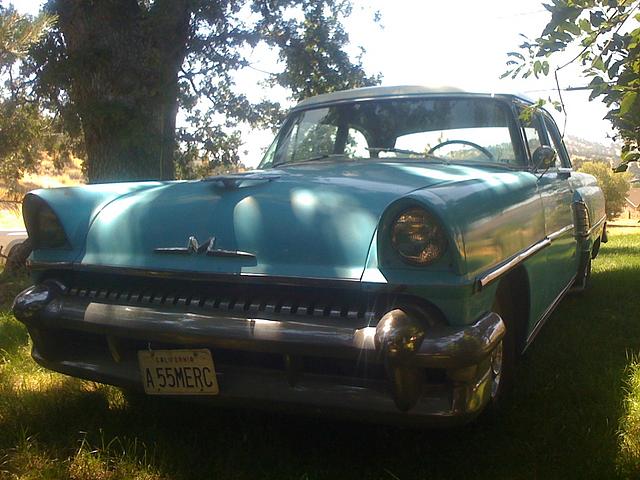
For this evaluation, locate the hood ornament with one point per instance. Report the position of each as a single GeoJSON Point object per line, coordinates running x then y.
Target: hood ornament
{"type": "Point", "coordinates": [207, 248]}
{"type": "Point", "coordinates": [234, 181]}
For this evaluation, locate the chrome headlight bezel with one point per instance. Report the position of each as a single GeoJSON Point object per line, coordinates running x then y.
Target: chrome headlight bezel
{"type": "Point", "coordinates": [43, 225]}
{"type": "Point", "coordinates": [417, 237]}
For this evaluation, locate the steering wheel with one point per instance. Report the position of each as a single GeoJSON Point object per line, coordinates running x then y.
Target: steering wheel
{"type": "Point", "coordinates": [481, 149]}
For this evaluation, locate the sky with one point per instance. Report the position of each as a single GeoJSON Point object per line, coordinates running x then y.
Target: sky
{"type": "Point", "coordinates": [425, 42]}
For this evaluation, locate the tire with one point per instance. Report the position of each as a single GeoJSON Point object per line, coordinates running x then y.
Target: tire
{"type": "Point", "coordinates": [17, 258]}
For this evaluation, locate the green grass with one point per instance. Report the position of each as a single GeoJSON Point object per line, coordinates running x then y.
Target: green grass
{"type": "Point", "coordinates": [575, 413]}
{"type": "Point", "coordinates": [630, 424]}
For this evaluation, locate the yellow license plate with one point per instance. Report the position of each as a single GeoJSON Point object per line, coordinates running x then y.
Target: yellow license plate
{"type": "Point", "coordinates": [178, 372]}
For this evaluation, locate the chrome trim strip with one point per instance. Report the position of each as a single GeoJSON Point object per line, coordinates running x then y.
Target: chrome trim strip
{"type": "Point", "coordinates": [547, 313]}
{"type": "Point", "coordinates": [596, 225]}
{"type": "Point", "coordinates": [559, 233]}
{"type": "Point", "coordinates": [206, 276]}
{"type": "Point", "coordinates": [494, 274]}
{"type": "Point", "coordinates": [503, 98]}
{"type": "Point", "coordinates": [487, 278]}
{"type": "Point", "coordinates": [33, 265]}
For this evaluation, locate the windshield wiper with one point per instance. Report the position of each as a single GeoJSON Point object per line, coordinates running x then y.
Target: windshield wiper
{"type": "Point", "coordinates": [408, 152]}
{"type": "Point", "coordinates": [312, 159]}
{"type": "Point", "coordinates": [396, 150]}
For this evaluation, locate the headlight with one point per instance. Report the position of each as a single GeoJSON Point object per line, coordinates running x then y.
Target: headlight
{"type": "Point", "coordinates": [43, 225]}
{"type": "Point", "coordinates": [417, 237]}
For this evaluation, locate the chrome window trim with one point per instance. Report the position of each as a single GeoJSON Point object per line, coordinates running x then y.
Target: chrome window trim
{"type": "Point", "coordinates": [505, 98]}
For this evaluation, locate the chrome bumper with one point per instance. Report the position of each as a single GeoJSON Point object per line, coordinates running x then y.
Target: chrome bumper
{"type": "Point", "coordinates": [397, 342]}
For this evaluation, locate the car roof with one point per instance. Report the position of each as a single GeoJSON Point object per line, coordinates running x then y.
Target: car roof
{"type": "Point", "coordinates": [401, 91]}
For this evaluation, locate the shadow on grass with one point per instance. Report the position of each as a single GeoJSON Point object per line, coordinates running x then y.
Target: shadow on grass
{"type": "Point", "coordinates": [562, 421]}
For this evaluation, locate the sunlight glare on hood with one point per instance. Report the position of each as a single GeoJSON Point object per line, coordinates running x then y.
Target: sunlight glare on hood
{"type": "Point", "coordinates": [112, 209]}
{"type": "Point", "coordinates": [462, 173]}
{"type": "Point", "coordinates": [303, 204]}
{"type": "Point", "coordinates": [247, 218]}
{"type": "Point", "coordinates": [123, 187]}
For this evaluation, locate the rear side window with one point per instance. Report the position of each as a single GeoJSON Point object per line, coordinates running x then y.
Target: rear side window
{"type": "Point", "coordinates": [533, 133]}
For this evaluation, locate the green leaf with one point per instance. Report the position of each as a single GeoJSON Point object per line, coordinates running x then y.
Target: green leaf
{"type": "Point", "coordinates": [597, 80]}
{"type": "Point", "coordinates": [537, 68]}
{"type": "Point", "coordinates": [545, 67]}
{"type": "Point", "coordinates": [598, 64]}
{"type": "Point", "coordinates": [630, 157]}
{"type": "Point", "coordinates": [594, 93]}
{"type": "Point", "coordinates": [573, 28]}
{"type": "Point", "coordinates": [585, 25]}
{"type": "Point", "coordinates": [621, 168]}
{"type": "Point", "coordinates": [596, 18]}
{"type": "Point", "coordinates": [627, 102]}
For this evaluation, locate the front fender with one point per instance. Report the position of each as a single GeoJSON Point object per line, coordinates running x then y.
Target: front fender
{"type": "Point", "coordinates": [76, 208]}
{"type": "Point", "coordinates": [588, 199]}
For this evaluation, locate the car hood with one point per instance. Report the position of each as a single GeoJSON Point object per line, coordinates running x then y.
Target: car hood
{"type": "Point", "coordinates": [315, 220]}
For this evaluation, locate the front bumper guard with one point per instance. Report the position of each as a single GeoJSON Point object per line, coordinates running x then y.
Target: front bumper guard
{"type": "Point", "coordinates": [398, 340]}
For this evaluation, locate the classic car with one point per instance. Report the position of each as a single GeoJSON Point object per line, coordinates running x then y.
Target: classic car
{"type": "Point", "coordinates": [389, 259]}
{"type": "Point", "coordinates": [10, 238]}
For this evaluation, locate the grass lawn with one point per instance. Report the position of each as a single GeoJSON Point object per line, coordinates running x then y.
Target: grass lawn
{"type": "Point", "coordinates": [575, 413]}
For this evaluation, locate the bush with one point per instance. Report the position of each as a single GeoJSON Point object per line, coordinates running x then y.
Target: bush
{"type": "Point", "coordinates": [614, 185]}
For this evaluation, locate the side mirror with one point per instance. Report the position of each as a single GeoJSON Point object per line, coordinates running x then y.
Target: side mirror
{"type": "Point", "coordinates": [544, 157]}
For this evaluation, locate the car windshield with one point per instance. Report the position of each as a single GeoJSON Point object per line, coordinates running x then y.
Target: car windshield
{"type": "Point", "coordinates": [449, 129]}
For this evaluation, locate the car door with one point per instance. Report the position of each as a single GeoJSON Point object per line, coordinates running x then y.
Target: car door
{"type": "Point", "coordinates": [555, 190]}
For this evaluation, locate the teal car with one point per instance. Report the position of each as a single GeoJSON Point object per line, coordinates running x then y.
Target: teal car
{"type": "Point", "coordinates": [394, 253]}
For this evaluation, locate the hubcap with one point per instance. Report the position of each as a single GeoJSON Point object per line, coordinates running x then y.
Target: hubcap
{"type": "Point", "coordinates": [496, 369]}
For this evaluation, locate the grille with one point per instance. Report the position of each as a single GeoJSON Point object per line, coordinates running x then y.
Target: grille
{"type": "Point", "coordinates": [332, 303]}
{"type": "Point", "coordinates": [292, 304]}
{"type": "Point", "coordinates": [337, 303]}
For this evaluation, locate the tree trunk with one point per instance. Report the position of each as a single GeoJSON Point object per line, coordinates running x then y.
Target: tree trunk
{"type": "Point", "coordinates": [124, 82]}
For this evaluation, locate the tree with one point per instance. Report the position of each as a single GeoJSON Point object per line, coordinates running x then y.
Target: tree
{"type": "Point", "coordinates": [598, 35]}
{"type": "Point", "coordinates": [25, 130]}
{"type": "Point", "coordinates": [121, 69]}
{"type": "Point", "coordinates": [614, 186]}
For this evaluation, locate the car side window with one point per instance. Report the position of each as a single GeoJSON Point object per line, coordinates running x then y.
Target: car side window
{"type": "Point", "coordinates": [556, 139]}
{"type": "Point", "coordinates": [533, 133]}
{"type": "Point", "coordinates": [356, 146]}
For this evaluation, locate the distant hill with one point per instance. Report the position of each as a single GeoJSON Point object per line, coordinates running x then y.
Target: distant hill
{"type": "Point", "coordinates": [582, 150]}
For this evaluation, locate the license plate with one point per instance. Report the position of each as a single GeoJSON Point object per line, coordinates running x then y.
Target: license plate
{"type": "Point", "coordinates": [178, 372]}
